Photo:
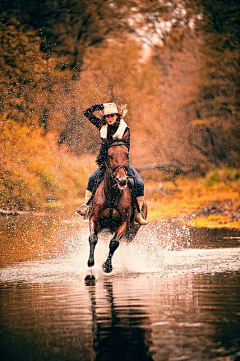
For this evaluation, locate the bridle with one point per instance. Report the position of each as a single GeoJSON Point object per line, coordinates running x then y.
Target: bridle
{"type": "Point", "coordinates": [111, 170]}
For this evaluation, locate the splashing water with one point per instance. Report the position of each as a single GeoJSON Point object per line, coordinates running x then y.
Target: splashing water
{"type": "Point", "coordinates": [159, 248]}
{"type": "Point", "coordinates": [173, 293]}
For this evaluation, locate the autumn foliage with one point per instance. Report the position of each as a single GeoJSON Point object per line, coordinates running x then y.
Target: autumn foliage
{"type": "Point", "coordinates": [175, 63]}
{"type": "Point", "coordinates": [34, 173]}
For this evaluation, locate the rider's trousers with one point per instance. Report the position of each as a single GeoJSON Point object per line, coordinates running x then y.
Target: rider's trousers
{"type": "Point", "coordinates": [131, 170]}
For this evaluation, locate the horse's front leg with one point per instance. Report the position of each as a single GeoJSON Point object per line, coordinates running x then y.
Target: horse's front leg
{"type": "Point", "coordinates": [114, 243]}
{"type": "Point", "coordinates": [93, 238]}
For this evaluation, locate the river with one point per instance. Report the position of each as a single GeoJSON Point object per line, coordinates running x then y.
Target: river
{"type": "Point", "coordinates": [174, 293]}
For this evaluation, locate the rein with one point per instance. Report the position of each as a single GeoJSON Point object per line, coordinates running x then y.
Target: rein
{"type": "Point", "coordinates": [119, 166]}
{"type": "Point", "coordinates": [112, 169]}
{"type": "Point", "coordinates": [114, 180]}
{"type": "Point", "coordinates": [116, 144]}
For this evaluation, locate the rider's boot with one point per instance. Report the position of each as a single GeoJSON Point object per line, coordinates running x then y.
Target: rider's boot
{"type": "Point", "coordinates": [139, 217]}
{"type": "Point", "coordinates": [85, 210]}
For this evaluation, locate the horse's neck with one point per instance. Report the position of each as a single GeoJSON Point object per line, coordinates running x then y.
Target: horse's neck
{"type": "Point", "coordinates": [111, 192]}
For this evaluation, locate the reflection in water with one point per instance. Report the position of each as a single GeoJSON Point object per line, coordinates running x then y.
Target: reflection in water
{"type": "Point", "coordinates": [118, 330]}
{"type": "Point", "coordinates": [33, 237]}
{"type": "Point", "coordinates": [148, 317]}
{"type": "Point", "coordinates": [167, 299]}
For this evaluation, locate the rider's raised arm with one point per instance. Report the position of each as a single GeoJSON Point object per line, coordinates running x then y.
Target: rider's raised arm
{"type": "Point", "coordinates": [90, 116]}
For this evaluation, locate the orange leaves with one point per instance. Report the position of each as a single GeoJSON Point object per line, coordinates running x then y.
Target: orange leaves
{"type": "Point", "coordinates": [34, 172]}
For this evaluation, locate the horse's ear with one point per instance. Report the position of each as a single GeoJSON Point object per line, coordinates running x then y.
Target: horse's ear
{"type": "Point", "coordinates": [126, 136]}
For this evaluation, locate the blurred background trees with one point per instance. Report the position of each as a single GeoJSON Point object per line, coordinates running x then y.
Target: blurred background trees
{"type": "Point", "coordinates": [218, 86]}
{"type": "Point", "coordinates": [175, 63]}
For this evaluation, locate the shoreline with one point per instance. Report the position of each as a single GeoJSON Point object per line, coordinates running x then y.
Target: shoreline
{"type": "Point", "coordinates": [212, 214]}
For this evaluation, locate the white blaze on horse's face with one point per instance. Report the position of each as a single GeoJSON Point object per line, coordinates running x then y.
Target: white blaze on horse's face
{"type": "Point", "coordinates": [118, 156]}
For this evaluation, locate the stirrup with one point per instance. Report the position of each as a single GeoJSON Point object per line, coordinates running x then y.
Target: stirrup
{"type": "Point", "coordinates": [139, 219]}
{"type": "Point", "coordinates": [82, 211]}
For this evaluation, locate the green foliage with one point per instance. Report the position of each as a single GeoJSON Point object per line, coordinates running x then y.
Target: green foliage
{"type": "Point", "coordinates": [233, 175]}
{"type": "Point", "coordinates": [226, 175]}
{"type": "Point", "coordinates": [211, 179]}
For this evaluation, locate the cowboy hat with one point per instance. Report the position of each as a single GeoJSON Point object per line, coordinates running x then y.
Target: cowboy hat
{"type": "Point", "coordinates": [110, 108]}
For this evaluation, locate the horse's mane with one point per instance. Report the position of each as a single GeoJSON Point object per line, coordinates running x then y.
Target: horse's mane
{"type": "Point", "coordinates": [105, 145]}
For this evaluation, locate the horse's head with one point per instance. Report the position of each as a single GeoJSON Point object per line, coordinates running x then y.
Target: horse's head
{"type": "Point", "coordinates": [118, 163]}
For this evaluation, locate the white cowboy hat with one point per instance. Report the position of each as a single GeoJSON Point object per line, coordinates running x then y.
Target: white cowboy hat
{"type": "Point", "coordinates": [110, 108]}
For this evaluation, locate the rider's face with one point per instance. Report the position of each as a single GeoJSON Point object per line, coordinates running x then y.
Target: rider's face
{"type": "Point", "coordinates": [111, 118]}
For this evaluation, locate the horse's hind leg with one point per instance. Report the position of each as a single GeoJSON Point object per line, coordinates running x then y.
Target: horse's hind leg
{"type": "Point", "coordinates": [114, 243]}
{"type": "Point", "coordinates": [107, 265]}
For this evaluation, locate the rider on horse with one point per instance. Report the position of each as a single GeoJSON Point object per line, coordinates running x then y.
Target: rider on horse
{"type": "Point", "coordinates": [111, 127]}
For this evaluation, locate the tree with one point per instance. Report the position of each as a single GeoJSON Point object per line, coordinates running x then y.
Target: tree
{"type": "Point", "coordinates": [68, 27]}
{"type": "Point", "coordinates": [217, 102]}
{"type": "Point", "coordinates": [30, 80]}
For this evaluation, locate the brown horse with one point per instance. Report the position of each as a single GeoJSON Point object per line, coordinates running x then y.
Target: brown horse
{"type": "Point", "coordinates": [112, 206]}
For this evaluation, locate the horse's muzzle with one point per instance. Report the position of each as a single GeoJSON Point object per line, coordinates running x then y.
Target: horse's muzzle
{"type": "Point", "coordinates": [122, 183]}
{"type": "Point", "coordinates": [121, 176]}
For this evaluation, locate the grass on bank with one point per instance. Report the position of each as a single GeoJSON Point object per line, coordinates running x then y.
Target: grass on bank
{"type": "Point", "coordinates": [189, 194]}
{"type": "Point", "coordinates": [214, 222]}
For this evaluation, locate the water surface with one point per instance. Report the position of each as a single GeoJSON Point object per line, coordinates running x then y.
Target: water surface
{"type": "Point", "coordinates": [173, 294]}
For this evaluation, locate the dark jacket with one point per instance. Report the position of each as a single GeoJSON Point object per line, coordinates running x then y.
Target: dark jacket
{"type": "Point", "coordinates": [97, 122]}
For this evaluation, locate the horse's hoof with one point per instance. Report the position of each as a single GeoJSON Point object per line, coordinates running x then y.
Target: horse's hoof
{"type": "Point", "coordinates": [107, 267]}
{"type": "Point", "coordinates": [90, 278]}
{"type": "Point", "coordinates": [90, 262]}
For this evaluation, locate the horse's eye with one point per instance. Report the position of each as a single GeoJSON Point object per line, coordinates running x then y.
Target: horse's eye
{"type": "Point", "coordinates": [110, 156]}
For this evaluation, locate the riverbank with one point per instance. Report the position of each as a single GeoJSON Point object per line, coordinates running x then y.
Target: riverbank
{"type": "Point", "coordinates": [211, 202]}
